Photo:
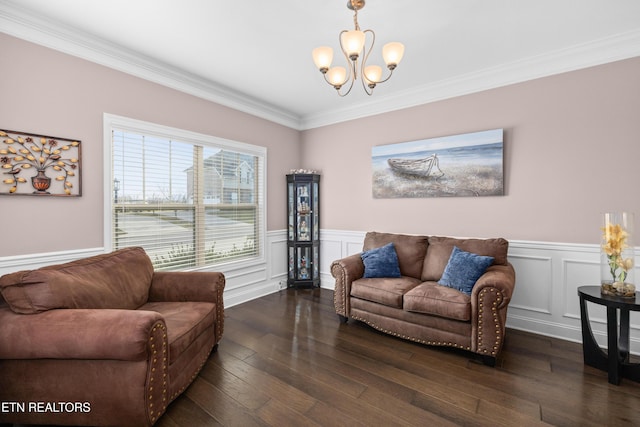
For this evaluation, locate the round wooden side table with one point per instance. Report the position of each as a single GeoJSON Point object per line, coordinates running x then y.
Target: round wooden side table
{"type": "Point", "coordinates": [616, 359]}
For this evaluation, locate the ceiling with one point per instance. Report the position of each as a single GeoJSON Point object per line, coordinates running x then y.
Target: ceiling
{"type": "Point", "coordinates": [255, 55]}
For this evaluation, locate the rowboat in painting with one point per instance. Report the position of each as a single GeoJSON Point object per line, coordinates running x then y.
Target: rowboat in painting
{"type": "Point", "coordinates": [416, 167]}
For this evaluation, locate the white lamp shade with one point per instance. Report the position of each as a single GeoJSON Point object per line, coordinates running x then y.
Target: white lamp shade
{"type": "Point", "coordinates": [352, 42]}
{"type": "Point", "coordinates": [392, 53]}
{"type": "Point", "coordinates": [322, 56]}
{"type": "Point", "coordinates": [337, 76]}
{"type": "Point", "coordinates": [372, 74]}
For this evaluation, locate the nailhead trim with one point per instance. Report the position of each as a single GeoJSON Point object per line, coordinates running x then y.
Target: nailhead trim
{"type": "Point", "coordinates": [220, 308]}
{"type": "Point", "coordinates": [407, 337]}
{"type": "Point", "coordinates": [339, 298]}
{"type": "Point", "coordinates": [154, 414]}
{"type": "Point", "coordinates": [496, 320]}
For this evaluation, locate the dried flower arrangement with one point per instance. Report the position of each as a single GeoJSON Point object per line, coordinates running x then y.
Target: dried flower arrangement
{"type": "Point", "coordinates": [619, 258]}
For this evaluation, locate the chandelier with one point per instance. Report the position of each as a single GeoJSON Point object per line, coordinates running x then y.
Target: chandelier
{"type": "Point", "coordinates": [353, 45]}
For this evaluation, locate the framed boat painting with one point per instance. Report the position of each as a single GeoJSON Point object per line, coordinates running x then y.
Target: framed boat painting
{"type": "Point", "coordinates": [465, 165]}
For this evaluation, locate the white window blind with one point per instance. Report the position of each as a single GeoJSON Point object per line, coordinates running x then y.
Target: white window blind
{"type": "Point", "coordinates": [189, 203]}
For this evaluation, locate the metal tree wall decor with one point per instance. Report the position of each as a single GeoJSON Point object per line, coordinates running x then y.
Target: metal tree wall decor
{"type": "Point", "coordinates": [39, 165]}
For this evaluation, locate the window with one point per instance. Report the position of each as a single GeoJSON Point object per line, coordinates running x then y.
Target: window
{"type": "Point", "coordinates": [189, 200]}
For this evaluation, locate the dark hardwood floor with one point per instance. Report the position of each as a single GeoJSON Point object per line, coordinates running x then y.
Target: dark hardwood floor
{"type": "Point", "coordinates": [286, 360]}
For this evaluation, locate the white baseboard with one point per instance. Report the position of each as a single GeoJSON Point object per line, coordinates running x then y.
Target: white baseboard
{"type": "Point", "coordinates": [248, 293]}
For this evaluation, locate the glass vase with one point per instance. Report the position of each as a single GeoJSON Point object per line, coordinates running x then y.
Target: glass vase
{"type": "Point", "coordinates": [617, 258]}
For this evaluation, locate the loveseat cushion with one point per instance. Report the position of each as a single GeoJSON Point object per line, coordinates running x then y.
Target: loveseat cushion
{"type": "Point", "coordinates": [185, 322]}
{"type": "Point", "coordinates": [431, 298]}
{"type": "Point", "coordinates": [410, 250]}
{"type": "Point", "coordinates": [440, 248]}
{"type": "Point", "coordinates": [119, 279]}
{"type": "Point", "coordinates": [386, 291]}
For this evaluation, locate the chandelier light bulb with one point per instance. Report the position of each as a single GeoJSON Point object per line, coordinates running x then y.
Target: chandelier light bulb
{"type": "Point", "coordinates": [337, 76]}
{"type": "Point", "coordinates": [352, 43]}
{"type": "Point", "coordinates": [392, 54]}
{"type": "Point", "coordinates": [372, 75]}
{"type": "Point", "coordinates": [323, 56]}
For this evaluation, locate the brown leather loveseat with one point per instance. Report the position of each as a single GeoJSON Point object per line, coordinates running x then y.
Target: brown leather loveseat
{"type": "Point", "coordinates": [103, 340]}
{"type": "Point", "coordinates": [416, 307]}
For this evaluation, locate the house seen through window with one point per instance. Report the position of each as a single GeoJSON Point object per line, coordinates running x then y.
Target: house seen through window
{"type": "Point", "coordinates": [188, 203]}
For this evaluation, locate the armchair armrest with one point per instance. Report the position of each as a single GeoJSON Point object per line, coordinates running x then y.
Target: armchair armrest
{"type": "Point", "coordinates": [195, 286]}
{"type": "Point", "coordinates": [501, 277]}
{"type": "Point", "coordinates": [489, 301]}
{"type": "Point", "coordinates": [80, 334]}
{"type": "Point", "coordinates": [345, 271]}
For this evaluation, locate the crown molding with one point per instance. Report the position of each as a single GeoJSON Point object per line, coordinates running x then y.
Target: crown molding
{"type": "Point", "coordinates": [602, 51]}
{"type": "Point", "coordinates": [18, 22]}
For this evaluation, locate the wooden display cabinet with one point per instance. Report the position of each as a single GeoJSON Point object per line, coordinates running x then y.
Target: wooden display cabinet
{"type": "Point", "coordinates": [303, 234]}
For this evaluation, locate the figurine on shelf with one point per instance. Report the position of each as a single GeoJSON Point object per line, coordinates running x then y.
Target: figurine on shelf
{"type": "Point", "coordinates": [303, 207]}
{"type": "Point", "coordinates": [304, 230]}
{"type": "Point", "coordinates": [304, 274]}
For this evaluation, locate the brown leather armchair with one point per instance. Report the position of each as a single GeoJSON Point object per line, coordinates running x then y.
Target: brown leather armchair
{"type": "Point", "coordinates": [103, 340]}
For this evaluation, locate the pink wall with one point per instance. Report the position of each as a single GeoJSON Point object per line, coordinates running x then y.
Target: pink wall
{"type": "Point", "coordinates": [571, 148]}
{"type": "Point", "coordinates": [572, 144]}
{"type": "Point", "coordinates": [46, 92]}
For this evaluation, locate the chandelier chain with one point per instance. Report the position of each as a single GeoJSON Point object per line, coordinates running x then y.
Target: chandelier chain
{"type": "Point", "coordinates": [355, 18]}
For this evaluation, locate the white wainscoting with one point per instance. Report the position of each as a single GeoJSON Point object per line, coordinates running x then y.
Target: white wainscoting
{"type": "Point", "coordinates": [545, 299]}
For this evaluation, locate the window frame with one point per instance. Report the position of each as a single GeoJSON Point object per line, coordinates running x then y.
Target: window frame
{"type": "Point", "coordinates": [111, 122]}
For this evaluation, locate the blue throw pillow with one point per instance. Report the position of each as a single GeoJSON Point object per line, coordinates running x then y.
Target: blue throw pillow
{"type": "Point", "coordinates": [381, 262]}
{"type": "Point", "coordinates": [464, 269]}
